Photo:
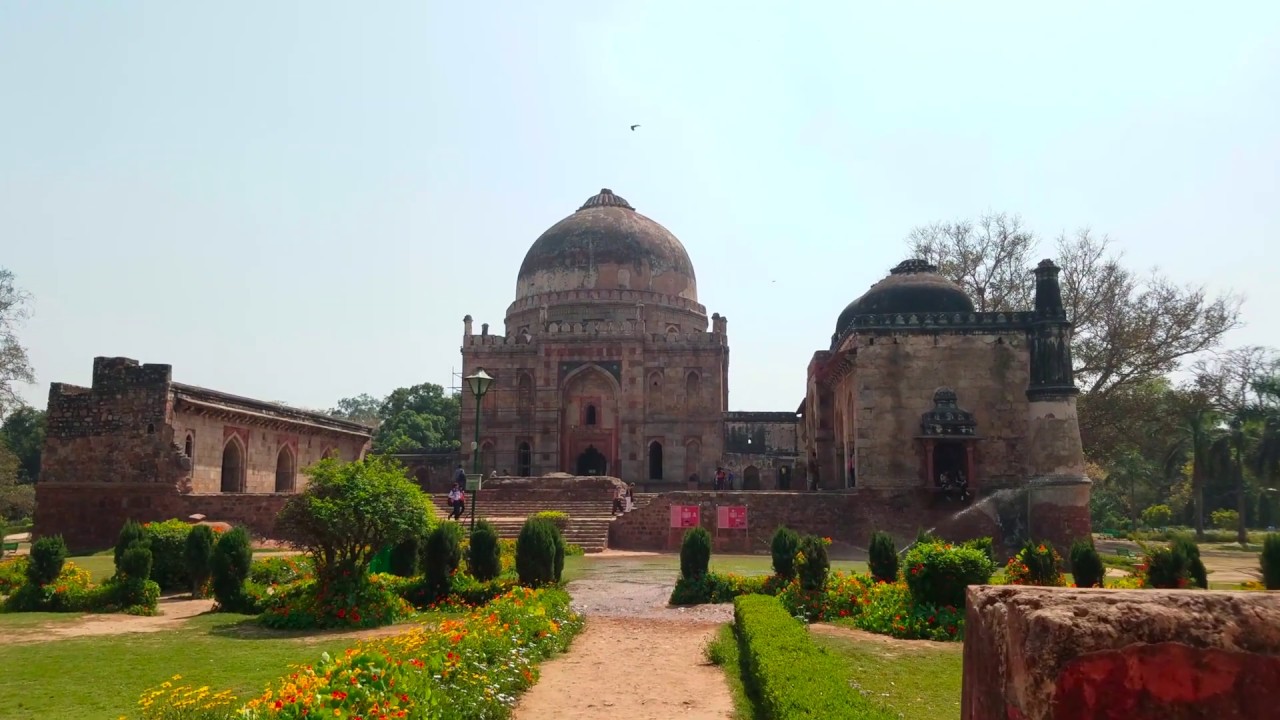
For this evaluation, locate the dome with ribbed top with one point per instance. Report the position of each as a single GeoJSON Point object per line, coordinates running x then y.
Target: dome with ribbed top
{"type": "Point", "coordinates": [607, 245]}
{"type": "Point", "coordinates": [913, 286]}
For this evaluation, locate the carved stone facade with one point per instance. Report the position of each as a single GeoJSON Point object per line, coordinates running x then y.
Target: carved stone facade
{"type": "Point", "coordinates": [920, 392]}
{"type": "Point", "coordinates": [609, 365]}
{"type": "Point", "coordinates": [135, 442]}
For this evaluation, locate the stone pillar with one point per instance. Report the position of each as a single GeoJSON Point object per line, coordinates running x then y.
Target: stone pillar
{"type": "Point", "coordinates": [1057, 488]}
{"type": "Point", "coordinates": [466, 326]}
{"type": "Point", "coordinates": [1036, 653]}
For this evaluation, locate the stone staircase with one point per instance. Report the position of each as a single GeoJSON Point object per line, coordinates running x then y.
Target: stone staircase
{"type": "Point", "coordinates": [589, 520]}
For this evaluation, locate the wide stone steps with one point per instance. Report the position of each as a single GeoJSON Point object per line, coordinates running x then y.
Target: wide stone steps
{"type": "Point", "coordinates": [588, 520]}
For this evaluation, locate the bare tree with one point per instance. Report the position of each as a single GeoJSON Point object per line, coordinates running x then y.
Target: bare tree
{"type": "Point", "coordinates": [1129, 328]}
{"type": "Point", "coordinates": [15, 367]}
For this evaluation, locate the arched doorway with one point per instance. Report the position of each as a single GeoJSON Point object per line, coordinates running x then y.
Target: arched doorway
{"type": "Point", "coordinates": [524, 460]}
{"type": "Point", "coordinates": [232, 466]}
{"type": "Point", "coordinates": [655, 460]}
{"type": "Point", "coordinates": [751, 478]}
{"type": "Point", "coordinates": [285, 471]}
{"type": "Point", "coordinates": [592, 462]}
{"type": "Point", "coordinates": [784, 477]}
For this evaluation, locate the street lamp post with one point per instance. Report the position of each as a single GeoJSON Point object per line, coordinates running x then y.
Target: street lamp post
{"type": "Point", "coordinates": [479, 384]}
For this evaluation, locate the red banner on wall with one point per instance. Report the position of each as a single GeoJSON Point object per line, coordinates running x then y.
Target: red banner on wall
{"type": "Point", "coordinates": [684, 516]}
{"type": "Point", "coordinates": [731, 517]}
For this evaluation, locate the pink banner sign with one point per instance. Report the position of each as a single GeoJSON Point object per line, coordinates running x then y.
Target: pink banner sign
{"type": "Point", "coordinates": [684, 516]}
{"type": "Point", "coordinates": [731, 517]}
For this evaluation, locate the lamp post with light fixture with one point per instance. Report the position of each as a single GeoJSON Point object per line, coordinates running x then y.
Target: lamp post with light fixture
{"type": "Point", "coordinates": [479, 384]}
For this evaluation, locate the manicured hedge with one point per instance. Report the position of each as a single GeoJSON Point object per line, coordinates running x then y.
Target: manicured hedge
{"type": "Point", "coordinates": [787, 675]}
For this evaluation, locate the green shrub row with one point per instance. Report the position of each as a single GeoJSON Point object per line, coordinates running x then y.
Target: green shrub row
{"type": "Point", "coordinates": [51, 584]}
{"type": "Point", "coordinates": [788, 676]}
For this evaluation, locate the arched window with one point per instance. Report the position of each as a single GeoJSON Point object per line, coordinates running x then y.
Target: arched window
{"type": "Point", "coordinates": [692, 388]}
{"type": "Point", "coordinates": [524, 460]}
{"type": "Point", "coordinates": [189, 447]}
{"type": "Point", "coordinates": [486, 457]}
{"type": "Point", "coordinates": [655, 460]}
{"type": "Point", "coordinates": [285, 470]}
{"type": "Point", "coordinates": [233, 466]}
{"type": "Point", "coordinates": [525, 392]}
{"type": "Point", "coordinates": [592, 418]}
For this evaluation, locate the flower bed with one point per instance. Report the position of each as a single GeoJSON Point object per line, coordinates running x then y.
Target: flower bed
{"type": "Point", "coordinates": [885, 608]}
{"type": "Point", "coordinates": [74, 591]}
{"type": "Point", "coordinates": [786, 674]}
{"type": "Point", "coordinates": [461, 669]}
{"type": "Point", "coordinates": [307, 604]}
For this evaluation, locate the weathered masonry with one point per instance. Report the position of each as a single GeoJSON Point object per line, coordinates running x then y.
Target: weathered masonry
{"type": "Point", "coordinates": [138, 445]}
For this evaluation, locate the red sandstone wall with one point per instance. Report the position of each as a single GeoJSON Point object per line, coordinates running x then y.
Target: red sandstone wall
{"type": "Point", "coordinates": [89, 515]}
{"type": "Point", "coordinates": [846, 518]}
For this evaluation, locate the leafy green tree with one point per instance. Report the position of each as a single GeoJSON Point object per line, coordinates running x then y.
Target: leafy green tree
{"type": "Point", "coordinates": [421, 417]}
{"type": "Point", "coordinates": [23, 433]}
{"type": "Point", "coordinates": [351, 511]}
{"type": "Point", "coordinates": [15, 367]}
{"type": "Point", "coordinates": [16, 501]}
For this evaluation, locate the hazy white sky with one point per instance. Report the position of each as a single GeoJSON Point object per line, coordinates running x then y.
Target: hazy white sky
{"type": "Point", "coordinates": [300, 201]}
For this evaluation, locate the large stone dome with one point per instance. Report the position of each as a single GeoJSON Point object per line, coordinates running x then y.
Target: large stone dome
{"type": "Point", "coordinates": [913, 286]}
{"type": "Point", "coordinates": [607, 245]}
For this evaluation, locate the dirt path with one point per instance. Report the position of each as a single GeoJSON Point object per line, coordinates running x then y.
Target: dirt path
{"type": "Point", "coordinates": [637, 658]}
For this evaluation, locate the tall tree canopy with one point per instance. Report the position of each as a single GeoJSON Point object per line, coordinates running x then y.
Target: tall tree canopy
{"type": "Point", "coordinates": [421, 417]}
{"type": "Point", "coordinates": [22, 432]}
{"type": "Point", "coordinates": [15, 367]}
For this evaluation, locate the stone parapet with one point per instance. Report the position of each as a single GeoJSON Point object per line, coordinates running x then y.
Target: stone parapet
{"type": "Point", "coordinates": [602, 297]}
{"type": "Point", "coordinates": [594, 332]}
{"type": "Point", "coordinates": [1053, 653]}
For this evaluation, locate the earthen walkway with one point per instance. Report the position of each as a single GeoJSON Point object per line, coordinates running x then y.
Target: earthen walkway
{"type": "Point", "coordinates": [637, 658]}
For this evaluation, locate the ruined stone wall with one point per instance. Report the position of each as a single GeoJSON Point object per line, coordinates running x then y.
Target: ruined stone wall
{"type": "Point", "coordinates": [761, 449]}
{"type": "Point", "coordinates": [893, 382]}
{"type": "Point", "coordinates": [847, 518]}
{"type": "Point", "coordinates": [665, 389]}
{"type": "Point", "coordinates": [210, 435]}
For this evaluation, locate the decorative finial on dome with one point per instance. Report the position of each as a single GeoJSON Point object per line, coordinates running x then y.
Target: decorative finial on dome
{"type": "Point", "coordinates": [605, 198]}
{"type": "Point", "coordinates": [913, 266]}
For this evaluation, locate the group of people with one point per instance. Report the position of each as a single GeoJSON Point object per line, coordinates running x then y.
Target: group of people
{"type": "Point", "coordinates": [723, 479]}
{"type": "Point", "coordinates": [624, 501]}
{"type": "Point", "coordinates": [954, 484]}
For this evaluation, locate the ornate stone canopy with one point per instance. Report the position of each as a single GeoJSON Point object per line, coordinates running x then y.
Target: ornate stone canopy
{"type": "Point", "coordinates": [947, 419]}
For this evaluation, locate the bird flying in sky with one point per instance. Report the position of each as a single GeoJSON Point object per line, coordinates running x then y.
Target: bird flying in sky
{"type": "Point", "coordinates": [633, 128]}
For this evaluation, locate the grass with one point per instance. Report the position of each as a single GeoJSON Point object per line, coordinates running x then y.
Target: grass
{"type": "Point", "coordinates": [919, 680]}
{"type": "Point", "coordinates": [102, 677]}
{"type": "Point", "coordinates": [723, 650]}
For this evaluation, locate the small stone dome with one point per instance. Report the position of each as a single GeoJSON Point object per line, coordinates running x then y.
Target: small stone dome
{"type": "Point", "coordinates": [606, 244]}
{"type": "Point", "coordinates": [914, 286]}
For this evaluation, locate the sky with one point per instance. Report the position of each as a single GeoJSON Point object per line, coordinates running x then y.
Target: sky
{"type": "Point", "coordinates": [299, 201]}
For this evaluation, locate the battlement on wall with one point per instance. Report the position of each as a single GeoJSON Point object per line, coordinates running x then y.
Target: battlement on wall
{"type": "Point", "coordinates": [125, 396]}
{"type": "Point", "coordinates": [566, 331]}
{"type": "Point", "coordinates": [623, 297]}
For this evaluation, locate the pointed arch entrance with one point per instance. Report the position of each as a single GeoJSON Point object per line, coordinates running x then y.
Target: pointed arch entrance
{"type": "Point", "coordinates": [589, 422]}
{"type": "Point", "coordinates": [232, 466]}
{"type": "Point", "coordinates": [285, 470]}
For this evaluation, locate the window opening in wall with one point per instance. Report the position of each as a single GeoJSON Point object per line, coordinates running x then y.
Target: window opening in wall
{"type": "Point", "coordinates": [151, 428]}
{"type": "Point", "coordinates": [949, 466]}
{"type": "Point", "coordinates": [189, 447]}
{"type": "Point", "coordinates": [655, 460]}
{"type": "Point", "coordinates": [284, 471]}
{"type": "Point", "coordinates": [524, 460]}
{"type": "Point", "coordinates": [591, 415]}
{"type": "Point", "coordinates": [232, 467]}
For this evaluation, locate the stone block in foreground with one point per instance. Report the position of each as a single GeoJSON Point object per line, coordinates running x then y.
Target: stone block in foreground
{"type": "Point", "coordinates": [1033, 653]}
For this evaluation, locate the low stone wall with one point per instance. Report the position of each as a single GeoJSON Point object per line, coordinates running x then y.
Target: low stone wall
{"type": "Point", "coordinates": [847, 518]}
{"type": "Point", "coordinates": [89, 515]}
{"type": "Point", "coordinates": [1048, 653]}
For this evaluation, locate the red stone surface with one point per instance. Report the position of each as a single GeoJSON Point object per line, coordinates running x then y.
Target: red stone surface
{"type": "Point", "coordinates": [1168, 681]}
{"type": "Point", "coordinates": [1057, 653]}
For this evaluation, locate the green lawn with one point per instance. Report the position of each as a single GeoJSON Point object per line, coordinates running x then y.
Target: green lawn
{"type": "Point", "coordinates": [666, 567]}
{"type": "Point", "coordinates": [102, 677]}
{"type": "Point", "coordinates": [919, 680]}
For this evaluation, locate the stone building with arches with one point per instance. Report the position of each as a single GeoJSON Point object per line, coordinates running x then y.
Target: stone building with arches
{"type": "Point", "coordinates": [136, 444]}
{"type": "Point", "coordinates": [607, 364]}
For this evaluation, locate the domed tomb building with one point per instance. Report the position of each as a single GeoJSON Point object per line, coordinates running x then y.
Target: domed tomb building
{"type": "Point", "coordinates": [607, 365]}
{"type": "Point", "coordinates": [920, 395]}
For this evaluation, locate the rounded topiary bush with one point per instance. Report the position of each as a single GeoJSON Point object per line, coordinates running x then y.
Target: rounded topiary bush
{"type": "Point", "coordinates": [131, 534]}
{"type": "Point", "coordinates": [136, 564]}
{"type": "Point", "coordinates": [1086, 564]}
{"type": "Point", "coordinates": [1270, 561]}
{"type": "Point", "coordinates": [812, 564]}
{"type": "Point", "coordinates": [1196, 571]}
{"type": "Point", "coordinates": [938, 573]}
{"type": "Point", "coordinates": [783, 548]}
{"type": "Point", "coordinates": [232, 558]}
{"type": "Point", "coordinates": [441, 557]}
{"type": "Point", "coordinates": [484, 555]}
{"type": "Point", "coordinates": [536, 549]}
{"type": "Point", "coordinates": [882, 557]}
{"type": "Point", "coordinates": [48, 554]}
{"type": "Point", "coordinates": [695, 553]}
{"type": "Point", "coordinates": [197, 554]}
